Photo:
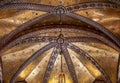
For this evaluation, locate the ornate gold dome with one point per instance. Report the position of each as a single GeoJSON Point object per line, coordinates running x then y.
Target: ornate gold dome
{"type": "Point", "coordinates": [52, 41]}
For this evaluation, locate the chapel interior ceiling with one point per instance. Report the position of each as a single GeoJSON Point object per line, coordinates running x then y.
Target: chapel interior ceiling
{"type": "Point", "coordinates": [45, 35]}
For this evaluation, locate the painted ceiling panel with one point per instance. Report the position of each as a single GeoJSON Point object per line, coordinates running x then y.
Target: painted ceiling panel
{"type": "Point", "coordinates": [108, 59]}
{"type": "Point", "coordinates": [12, 61]}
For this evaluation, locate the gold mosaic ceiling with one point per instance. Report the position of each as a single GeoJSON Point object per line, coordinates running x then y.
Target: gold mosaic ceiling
{"type": "Point", "coordinates": [50, 25]}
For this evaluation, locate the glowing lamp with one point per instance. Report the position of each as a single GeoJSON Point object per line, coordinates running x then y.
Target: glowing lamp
{"type": "Point", "coordinates": [61, 77]}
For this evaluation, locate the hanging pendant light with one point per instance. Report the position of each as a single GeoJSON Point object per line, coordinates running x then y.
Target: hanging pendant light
{"type": "Point", "coordinates": [61, 75]}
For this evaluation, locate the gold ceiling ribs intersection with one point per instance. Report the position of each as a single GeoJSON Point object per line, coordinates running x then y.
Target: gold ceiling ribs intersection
{"type": "Point", "coordinates": [31, 37]}
{"type": "Point", "coordinates": [62, 44]}
{"type": "Point", "coordinates": [59, 10]}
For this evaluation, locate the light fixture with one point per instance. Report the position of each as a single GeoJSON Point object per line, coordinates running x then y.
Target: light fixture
{"type": "Point", "coordinates": [61, 75]}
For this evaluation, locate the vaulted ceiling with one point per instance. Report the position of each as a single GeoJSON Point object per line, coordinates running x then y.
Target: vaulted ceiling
{"type": "Point", "coordinates": [37, 37]}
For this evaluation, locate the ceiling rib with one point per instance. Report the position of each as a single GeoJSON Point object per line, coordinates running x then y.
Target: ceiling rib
{"type": "Point", "coordinates": [117, 2]}
{"type": "Point", "coordinates": [69, 63]}
{"type": "Point", "coordinates": [96, 25]}
{"type": "Point", "coordinates": [118, 70]}
{"type": "Point", "coordinates": [58, 11]}
{"type": "Point", "coordinates": [87, 56]}
{"type": "Point", "coordinates": [21, 28]}
{"type": "Point", "coordinates": [91, 5]}
{"type": "Point", "coordinates": [72, 28]}
{"type": "Point", "coordinates": [82, 39]}
{"type": "Point", "coordinates": [27, 62]}
{"type": "Point", "coordinates": [29, 36]}
{"type": "Point", "coordinates": [92, 35]}
{"type": "Point", "coordinates": [96, 39]}
{"type": "Point", "coordinates": [27, 6]}
{"type": "Point", "coordinates": [1, 71]}
{"type": "Point", "coordinates": [51, 64]}
{"type": "Point", "coordinates": [23, 40]}
{"type": "Point", "coordinates": [3, 2]}
{"type": "Point", "coordinates": [48, 8]}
